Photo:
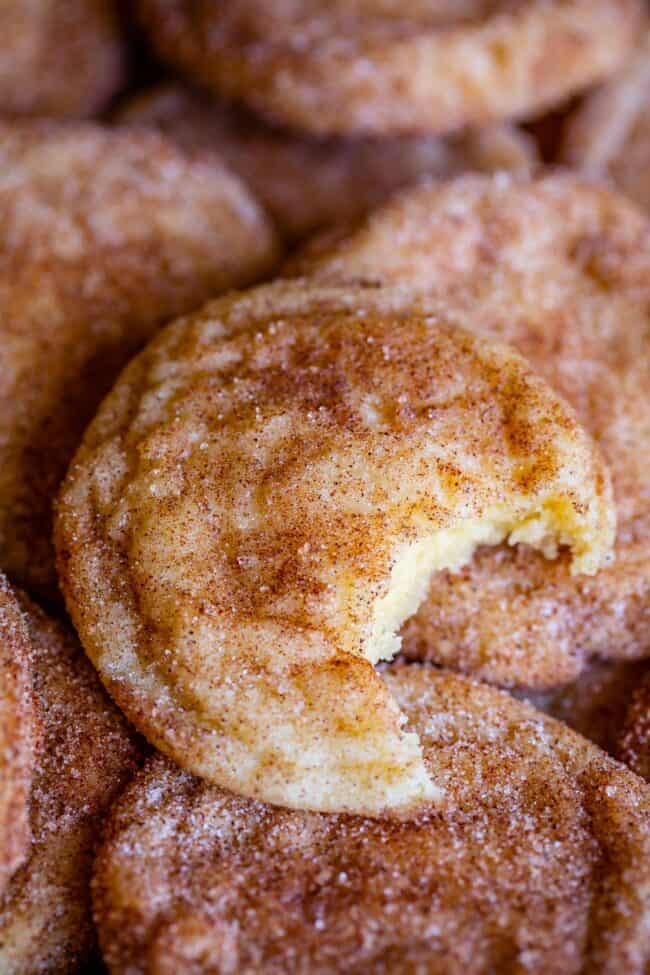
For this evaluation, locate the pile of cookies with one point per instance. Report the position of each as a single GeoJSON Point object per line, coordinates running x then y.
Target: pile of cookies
{"type": "Point", "coordinates": [325, 487]}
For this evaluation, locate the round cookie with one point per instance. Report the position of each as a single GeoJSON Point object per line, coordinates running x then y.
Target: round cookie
{"type": "Point", "coordinates": [307, 184]}
{"type": "Point", "coordinates": [609, 133]}
{"type": "Point", "coordinates": [259, 504]}
{"type": "Point", "coordinates": [106, 235]}
{"type": "Point", "coordinates": [59, 58]}
{"type": "Point", "coordinates": [538, 862]}
{"type": "Point", "coordinates": [18, 734]}
{"type": "Point", "coordinates": [559, 268]}
{"type": "Point", "coordinates": [88, 753]}
{"type": "Point", "coordinates": [378, 66]}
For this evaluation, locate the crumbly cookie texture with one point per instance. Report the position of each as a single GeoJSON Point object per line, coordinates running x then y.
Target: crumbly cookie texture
{"type": "Point", "coordinates": [61, 58]}
{"type": "Point", "coordinates": [307, 184]}
{"type": "Point", "coordinates": [259, 504]}
{"type": "Point", "coordinates": [87, 754]}
{"type": "Point", "coordinates": [539, 861]}
{"type": "Point", "coordinates": [559, 268]}
{"type": "Point", "coordinates": [381, 67]}
{"type": "Point", "coordinates": [106, 236]}
{"type": "Point", "coordinates": [609, 134]}
{"type": "Point", "coordinates": [19, 732]}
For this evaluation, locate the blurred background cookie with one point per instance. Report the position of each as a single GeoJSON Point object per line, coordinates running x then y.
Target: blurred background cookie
{"type": "Point", "coordinates": [539, 861]}
{"type": "Point", "coordinates": [87, 754]}
{"type": "Point", "coordinates": [386, 67]}
{"type": "Point", "coordinates": [105, 235]}
{"type": "Point", "coordinates": [610, 704]}
{"type": "Point", "coordinates": [306, 183]}
{"type": "Point", "coordinates": [609, 134]}
{"type": "Point", "coordinates": [59, 58]}
{"type": "Point", "coordinates": [599, 704]}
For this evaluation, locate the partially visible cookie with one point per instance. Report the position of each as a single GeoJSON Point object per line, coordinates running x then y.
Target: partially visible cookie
{"type": "Point", "coordinates": [88, 753]}
{"type": "Point", "coordinates": [381, 66]}
{"type": "Point", "coordinates": [597, 703]}
{"type": "Point", "coordinates": [305, 183]}
{"type": "Point", "coordinates": [59, 58]}
{"type": "Point", "coordinates": [260, 502]}
{"type": "Point", "coordinates": [609, 134]}
{"type": "Point", "coordinates": [105, 236]}
{"type": "Point", "coordinates": [539, 862]}
{"type": "Point", "coordinates": [18, 734]}
{"type": "Point", "coordinates": [633, 745]}
{"type": "Point", "coordinates": [609, 703]}
{"type": "Point", "coordinates": [560, 268]}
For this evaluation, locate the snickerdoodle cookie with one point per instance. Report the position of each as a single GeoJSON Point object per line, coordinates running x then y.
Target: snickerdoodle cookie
{"type": "Point", "coordinates": [305, 183]}
{"type": "Point", "coordinates": [386, 66]}
{"type": "Point", "coordinates": [559, 268]}
{"type": "Point", "coordinates": [105, 236]}
{"type": "Point", "coordinates": [59, 58]}
{"type": "Point", "coordinates": [539, 861]}
{"type": "Point", "coordinates": [19, 731]}
{"type": "Point", "coordinates": [609, 134]}
{"type": "Point", "coordinates": [87, 753]}
{"type": "Point", "coordinates": [259, 504]}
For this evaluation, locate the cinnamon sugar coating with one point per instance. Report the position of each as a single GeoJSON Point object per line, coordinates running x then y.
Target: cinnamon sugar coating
{"type": "Point", "coordinates": [609, 703]}
{"type": "Point", "coordinates": [609, 134]}
{"type": "Point", "coordinates": [597, 704]}
{"type": "Point", "coordinates": [260, 502]}
{"type": "Point", "coordinates": [380, 66]}
{"type": "Point", "coordinates": [59, 58]}
{"type": "Point", "coordinates": [18, 734]}
{"type": "Point", "coordinates": [559, 268]}
{"type": "Point", "coordinates": [539, 862]}
{"type": "Point", "coordinates": [105, 237]}
{"type": "Point", "coordinates": [306, 183]}
{"type": "Point", "coordinates": [88, 753]}
{"type": "Point", "coordinates": [634, 739]}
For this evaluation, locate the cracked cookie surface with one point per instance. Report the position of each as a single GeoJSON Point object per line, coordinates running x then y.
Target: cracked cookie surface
{"type": "Point", "coordinates": [260, 502]}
